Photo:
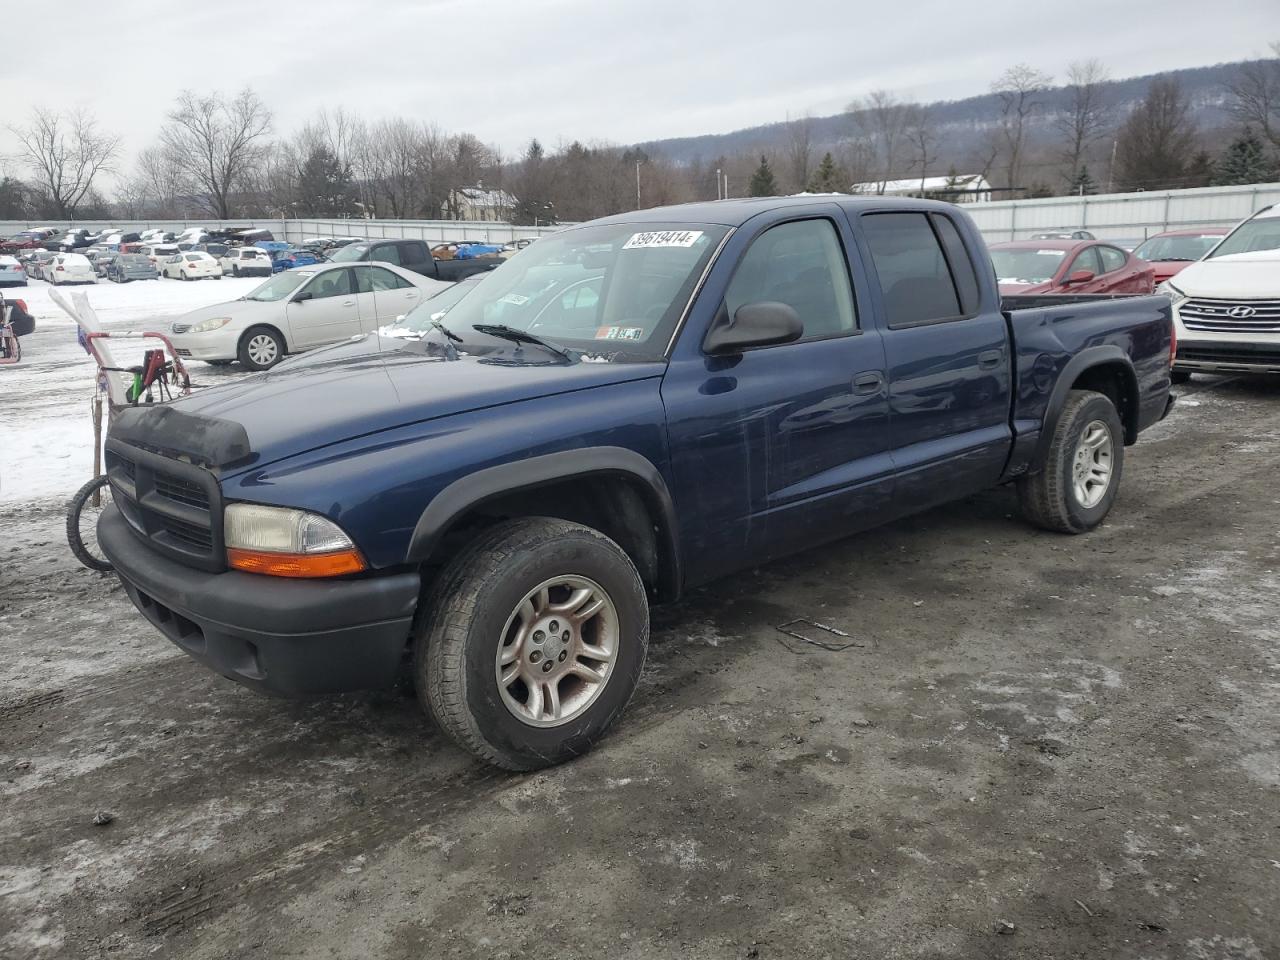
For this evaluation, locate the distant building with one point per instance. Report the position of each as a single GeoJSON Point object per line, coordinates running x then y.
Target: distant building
{"type": "Point", "coordinates": [960, 188]}
{"type": "Point", "coordinates": [478, 203]}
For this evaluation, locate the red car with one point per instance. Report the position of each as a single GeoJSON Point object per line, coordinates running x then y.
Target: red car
{"type": "Point", "coordinates": [1169, 252]}
{"type": "Point", "coordinates": [1069, 266]}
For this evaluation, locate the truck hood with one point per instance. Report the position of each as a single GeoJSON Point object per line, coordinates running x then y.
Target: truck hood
{"type": "Point", "coordinates": [377, 383]}
{"type": "Point", "coordinates": [1240, 276]}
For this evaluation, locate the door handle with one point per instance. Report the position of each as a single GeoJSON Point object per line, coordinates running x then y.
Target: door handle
{"type": "Point", "coordinates": [990, 359]}
{"type": "Point", "coordinates": [867, 383]}
{"type": "Point", "coordinates": [348, 303]}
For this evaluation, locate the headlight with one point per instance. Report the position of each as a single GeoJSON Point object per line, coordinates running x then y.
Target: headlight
{"type": "Point", "coordinates": [1173, 293]}
{"type": "Point", "coordinates": [287, 543]}
{"type": "Point", "coordinates": [204, 326]}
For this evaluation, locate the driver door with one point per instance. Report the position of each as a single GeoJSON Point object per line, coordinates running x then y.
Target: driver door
{"type": "Point", "coordinates": [324, 310]}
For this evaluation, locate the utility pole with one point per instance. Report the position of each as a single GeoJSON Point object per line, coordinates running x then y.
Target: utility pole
{"type": "Point", "coordinates": [637, 184]}
{"type": "Point", "coordinates": [1111, 170]}
{"type": "Point", "coordinates": [726, 186]}
{"type": "Point", "coordinates": [719, 196]}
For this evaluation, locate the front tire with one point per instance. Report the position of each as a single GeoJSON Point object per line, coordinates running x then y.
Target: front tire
{"type": "Point", "coordinates": [1074, 491]}
{"type": "Point", "coordinates": [532, 642]}
{"type": "Point", "coordinates": [261, 348]}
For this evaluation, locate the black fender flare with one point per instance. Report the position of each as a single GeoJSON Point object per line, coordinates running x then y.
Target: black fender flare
{"type": "Point", "coordinates": [471, 490]}
{"type": "Point", "coordinates": [1085, 360]}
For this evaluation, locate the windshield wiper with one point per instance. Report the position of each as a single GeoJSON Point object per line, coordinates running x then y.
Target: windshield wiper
{"type": "Point", "coordinates": [523, 336]}
{"type": "Point", "coordinates": [444, 331]}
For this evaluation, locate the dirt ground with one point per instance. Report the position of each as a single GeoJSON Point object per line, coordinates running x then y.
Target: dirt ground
{"type": "Point", "coordinates": [1043, 747]}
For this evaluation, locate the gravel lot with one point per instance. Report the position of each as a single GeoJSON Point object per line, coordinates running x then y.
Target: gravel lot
{"type": "Point", "coordinates": [1043, 746]}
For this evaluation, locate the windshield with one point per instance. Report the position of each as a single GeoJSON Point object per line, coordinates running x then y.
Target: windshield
{"type": "Point", "coordinates": [350, 253]}
{"type": "Point", "coordinates": [279, 286]}
{"type": "Point", "coordinates": [1252, 236]}
{"type": "Point", "coordinates": [418, 320]}
{"type": "Point", "coordinates": [1191, 247]}
{"type": "Point", "coordinates": [615, 286]}
{"type": "Point", "coordinates": [1026, 266]}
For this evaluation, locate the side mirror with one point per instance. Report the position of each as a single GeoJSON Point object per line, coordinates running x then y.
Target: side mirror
{"type": "Point", "coordinates": [302, 297]}
{"type": "Point", "coordinates": [753, 325]}
{"type": "Point", "coordinates": [1080, 276]}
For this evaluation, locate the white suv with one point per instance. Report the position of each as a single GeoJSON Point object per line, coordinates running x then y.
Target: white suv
{"type": "Point", "coordinates": [1226, 307]}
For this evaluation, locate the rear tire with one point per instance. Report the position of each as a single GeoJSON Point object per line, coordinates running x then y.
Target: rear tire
{"type": "Point", "coordinates": [1080, 477]}
{"type": "Point", "coordinates": [82, 524]}
{"type": "Point", "coordinates": [538, 598]}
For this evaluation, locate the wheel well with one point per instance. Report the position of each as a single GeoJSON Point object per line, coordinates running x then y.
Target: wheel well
{"type": "Point", "coordinates": [1116, 382]}
{"type": "Point", "coordinates": [617, 505]}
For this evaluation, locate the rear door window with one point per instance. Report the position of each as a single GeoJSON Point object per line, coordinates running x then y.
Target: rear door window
{"type": "Point", "coordinates": [412, 255]}
{"type": "Point", "coordinates": [916, 284]}
{"type": "Point", "coordinates": [961, 263]}
{"type": "Point", "coordinates": [1085, 260]}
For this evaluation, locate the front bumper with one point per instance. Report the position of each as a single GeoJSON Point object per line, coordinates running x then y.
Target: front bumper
{"type": "Point", "coordinates": [284, 637]}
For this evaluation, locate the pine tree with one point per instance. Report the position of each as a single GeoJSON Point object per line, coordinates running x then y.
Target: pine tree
{"type": "Point", "coordinates": [325, 187]}
{"type": "Point", "coordinates": [1244, 161]}
{"type": "Point", "coordinates": [763, 183]}
{"type": "Point", "coordinates": [828, 178]}
{"type": "Point", "coordinates": [1083, 184]}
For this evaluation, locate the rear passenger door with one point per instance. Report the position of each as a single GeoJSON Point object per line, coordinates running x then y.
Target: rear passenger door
{"type": "Point", "coordinates": [384, 296]}
{"type": "Point", "coordinates": [947, 357]}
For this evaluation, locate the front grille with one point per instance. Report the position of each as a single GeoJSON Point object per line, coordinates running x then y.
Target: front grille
{"type": "Point", "coordinates": [1250, 316]}
{"type": "Point", "coordinates": [183, 491]}
{"type": "Point", "coordinates": [174, 505]}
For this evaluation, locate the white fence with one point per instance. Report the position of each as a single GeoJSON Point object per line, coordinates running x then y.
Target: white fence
{"type": "Point", "coordinates": [294, 231]}
{"type": "Point", "coordinates": [1121, 216]}
{"type": "Point", "coordinates": [1116, 216]}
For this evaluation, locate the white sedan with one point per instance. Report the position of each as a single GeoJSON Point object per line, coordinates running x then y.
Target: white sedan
{"type": "Point", "coordinates": [69, 268]}
{"type": "Point", "coordinates": [192, 265]}
{"type": "Point", "coordinates": [299, 309]}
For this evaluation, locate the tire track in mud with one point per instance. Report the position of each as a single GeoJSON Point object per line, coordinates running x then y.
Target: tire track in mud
{"type": "Point", "coordinates": [265, 882]}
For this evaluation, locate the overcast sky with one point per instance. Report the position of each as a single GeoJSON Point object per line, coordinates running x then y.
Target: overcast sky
{"type": "Point", "coordinates": [508, 70]}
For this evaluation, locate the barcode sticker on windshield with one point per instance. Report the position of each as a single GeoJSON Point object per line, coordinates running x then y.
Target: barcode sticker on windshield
{"type": "Point", "coordinates": [515, 299]}
{"type": "Point", "coordinates": [663, 238]}
{"type": "Point", "coordinates": [1050, 253]}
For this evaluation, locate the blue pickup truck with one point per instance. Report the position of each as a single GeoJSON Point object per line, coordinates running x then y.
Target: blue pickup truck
{"type": "Point", "coordinates": [492, 497]}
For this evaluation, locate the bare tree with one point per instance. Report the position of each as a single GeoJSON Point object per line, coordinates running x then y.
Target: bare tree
{"type": "Point", "coordinates": [65, 152]}
{"type": "Point", "coordinates": [1087, 115]}
{"type": "Point", "coordinates": [882, 120]}
{"type": "Point", "coordinates": [1020, 90]}
{"type": "Point", "coordinates": [1255, 96]}
{"type": "Point", "coordinates": [217, 141]}
{"type": "Point", "coordinates": [1157, 140]}
{"type": "Point", "coordinates": [923, 140]}
{"type": "Point", "coordinates": [799, 151]}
